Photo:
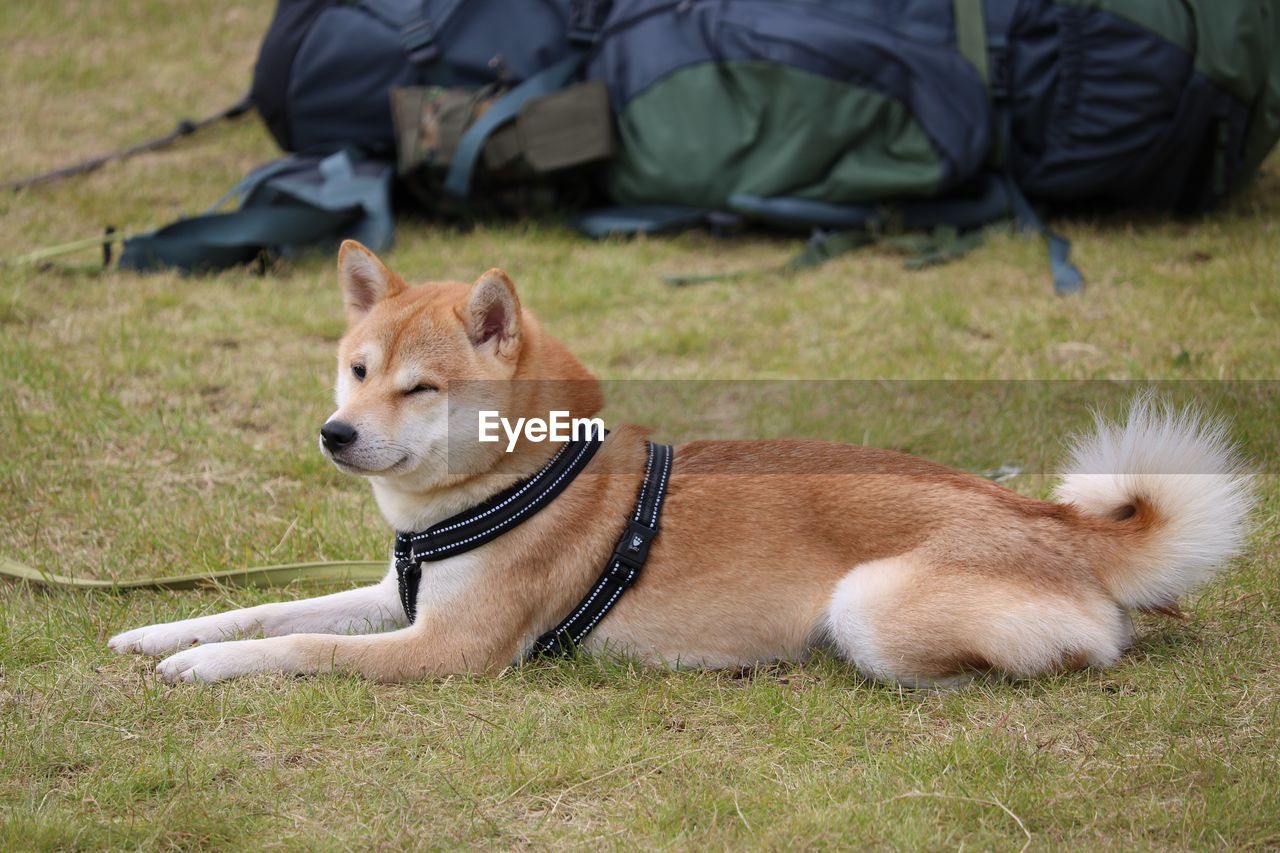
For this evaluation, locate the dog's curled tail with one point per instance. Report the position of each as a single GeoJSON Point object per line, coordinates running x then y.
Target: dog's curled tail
{"type": "Point", "coordinates": [1177, 490]}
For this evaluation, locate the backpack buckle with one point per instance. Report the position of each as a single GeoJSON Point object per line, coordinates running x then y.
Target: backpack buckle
{"type": "Point", "coordinates": [418, 38]}
{"type": "Point", "coordinates": [998, 67]}
{"type": "Point", "coordinates": [586, 20]}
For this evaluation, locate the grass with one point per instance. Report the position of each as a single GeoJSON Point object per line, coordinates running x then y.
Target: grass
{"type": "Point", "coordinates": [161, 425]}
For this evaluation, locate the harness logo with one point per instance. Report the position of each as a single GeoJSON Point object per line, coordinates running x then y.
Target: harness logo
{"type": "Point", "coordinates": [636, 542]}
{"type": "Point", "coordinates": [558, 426]}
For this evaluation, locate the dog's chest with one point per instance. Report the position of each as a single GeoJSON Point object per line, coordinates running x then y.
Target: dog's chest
{"type": "Point", "coordinates": [449, 584]}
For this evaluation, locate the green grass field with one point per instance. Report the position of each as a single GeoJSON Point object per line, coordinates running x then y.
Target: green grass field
{"type": "Point", "coordinates": [161, 425]}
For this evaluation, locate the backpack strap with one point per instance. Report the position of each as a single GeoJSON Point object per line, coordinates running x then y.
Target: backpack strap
{"type": "Point", "coordinates": [952, 224]}
{"type": "Point", "coordinates": [586, 20]}
{"type": "Point", "coordinates": [290, 205]}
{"type": "Point", "coordinates": [788, 211]}
{"type": "Point", "coordinates": [457, 182]}
{"type": "Point", "coordinates": [215, 241]}
{"type": "Point", "coordinates": [638, 219]}
{"type": "Point", "coordinates": [1066, 277]}
{"type": "Point", "coordinates": [989, 204]}
{"type": "Point", "coordinates": [971, 35]}
{"type": "Point", "coordinates": [585, 23]}
{"type": "Point", "coordinates": [418, 34]}
{"type": "Point", "coordinates": [982, 32]}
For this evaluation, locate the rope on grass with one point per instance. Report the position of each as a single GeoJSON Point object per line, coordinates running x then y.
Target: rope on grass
{"type": "Point", "coordinates": [258, 577]}
{"type": "Point", "coordinates": [184, 128]}
{"type": "Point", "coordinates": [104, 241]}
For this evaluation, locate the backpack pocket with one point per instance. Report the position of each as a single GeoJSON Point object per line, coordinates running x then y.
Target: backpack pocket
{"type": "Point", "coordinates": [803, 100]}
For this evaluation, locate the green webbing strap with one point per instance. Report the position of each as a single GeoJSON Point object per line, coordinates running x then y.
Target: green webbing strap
{"type": "Point", "coordinates": [971, 36]}
{"type": "Point", "coordinates": [822, 249]}
{"type": "Point", "coordinates": [346, 571]}
{"type": "Point", "coordinates": [46, 253]}
{"type": "Point", "coordinates": [944, 244]}
{"type": "Point", "coordinates": [457, 182]}
{"type": "Point", "coordinates": [676, 280]}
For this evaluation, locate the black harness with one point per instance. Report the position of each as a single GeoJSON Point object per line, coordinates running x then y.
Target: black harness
{"type": "Point", "coordinates": [476, 526]}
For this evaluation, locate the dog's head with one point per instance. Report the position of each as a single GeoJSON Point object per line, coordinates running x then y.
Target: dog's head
{"type": "Point", "coordinates": [417, 363]}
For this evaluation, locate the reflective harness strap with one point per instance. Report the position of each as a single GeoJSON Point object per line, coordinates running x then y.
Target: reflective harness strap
{"type": "Point", "coordinates": [474, 527]}
{"type": "Point", "coordinates": [624, 565]}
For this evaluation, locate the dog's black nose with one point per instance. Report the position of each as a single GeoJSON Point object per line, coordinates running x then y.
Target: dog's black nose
{"type": "Point", "coordinates": [337, 435]}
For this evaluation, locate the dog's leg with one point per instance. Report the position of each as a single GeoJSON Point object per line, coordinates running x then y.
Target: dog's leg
{"type": "Point", "coordinates": [470, 619]}
{"type": "Point", "coordinates": [366, 610]}
{"type": "Point", "coordinates": [904, 620]}
{"type": "Point", "coordinates": [429, 647]}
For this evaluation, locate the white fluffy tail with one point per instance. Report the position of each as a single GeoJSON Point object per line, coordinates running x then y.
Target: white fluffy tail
{"type": "Point", "coordinates": [1176, 475]}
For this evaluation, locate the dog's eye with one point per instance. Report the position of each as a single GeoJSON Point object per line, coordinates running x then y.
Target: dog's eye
{"type": "Point", "coordinates": [359, 371]}
{"type": "Point", "coordinates": [424, 388]}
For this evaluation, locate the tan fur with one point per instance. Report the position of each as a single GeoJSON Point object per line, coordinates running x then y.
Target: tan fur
{"type": "Point", "coordinates": [915, 572]}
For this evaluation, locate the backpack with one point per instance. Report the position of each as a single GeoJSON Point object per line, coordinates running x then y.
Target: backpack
{"type": "Point", "coordinates": [837, 114]}
{"type": "Point", "coordinates": [1155, 103]}
{"type": "Point", "coordinates": [1158, 102]}
{"type": "Point", "coordinates": [326, 68]}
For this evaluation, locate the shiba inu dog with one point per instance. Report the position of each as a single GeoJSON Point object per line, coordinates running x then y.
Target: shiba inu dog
{"type": "Point", "coordinates": [914, 572]}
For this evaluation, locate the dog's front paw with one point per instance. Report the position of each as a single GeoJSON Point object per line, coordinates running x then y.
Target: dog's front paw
{"type": "Point", "coordinates": [170, 636]}
{"type": "Point", "coordinates": [216, 662]}
{"type": "Point", "coordinates": [151, 640]}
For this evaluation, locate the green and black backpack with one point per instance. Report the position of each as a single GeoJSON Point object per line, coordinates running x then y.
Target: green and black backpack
{"type": "Point", "coordinates": [844, 115]}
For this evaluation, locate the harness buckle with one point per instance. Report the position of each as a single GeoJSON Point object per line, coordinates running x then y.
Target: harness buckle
{"type": "Point", "coordinates": [633, 549]}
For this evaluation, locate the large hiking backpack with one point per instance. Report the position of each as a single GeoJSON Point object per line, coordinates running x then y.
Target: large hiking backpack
{"type": "Point", "coordinates": [1151, 102]}
{"type": "Point", "coordinates": [1155, 102]}
{"type": "Point", "coordinates": [816, 112]}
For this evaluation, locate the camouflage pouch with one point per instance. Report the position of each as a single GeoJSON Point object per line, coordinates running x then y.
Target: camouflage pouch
{"type": "Point", "coordinates": [540, 162]}
{"type": "Point", "coordinates": [429, 121]}
{"type": "Point", "coordinates": [568, 128]}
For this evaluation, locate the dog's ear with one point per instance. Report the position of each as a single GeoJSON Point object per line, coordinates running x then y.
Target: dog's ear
{"type": "Point", "coordinates": [492, 314]}
{"type": "Point", "coordinates": [365, 280]}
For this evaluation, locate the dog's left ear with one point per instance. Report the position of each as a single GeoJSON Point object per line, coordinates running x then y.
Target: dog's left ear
{"type": "Point", "coordinates": [365, 280]}
{"type": "Point", "coordinates": [492, 314]}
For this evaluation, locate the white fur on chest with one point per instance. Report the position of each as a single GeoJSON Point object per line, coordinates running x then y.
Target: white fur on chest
{"type": "Point", "coordinates": [447, 583]}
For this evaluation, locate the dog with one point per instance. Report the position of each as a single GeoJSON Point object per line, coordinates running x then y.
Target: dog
{"type": "Point", "coordinates": [915, 573]}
